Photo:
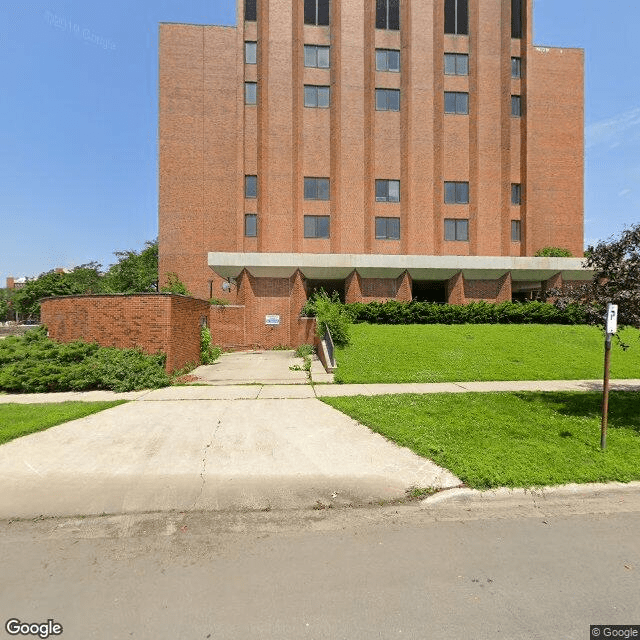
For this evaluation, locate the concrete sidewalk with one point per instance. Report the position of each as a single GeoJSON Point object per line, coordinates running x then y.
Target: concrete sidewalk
{"type": "Point", "coordinates": [262, 391]}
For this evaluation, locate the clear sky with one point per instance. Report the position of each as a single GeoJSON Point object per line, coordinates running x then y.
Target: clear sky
{"type": "Point", "coordinates": [78, 120]}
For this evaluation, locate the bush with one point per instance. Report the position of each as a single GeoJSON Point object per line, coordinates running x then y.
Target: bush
{"type": "Point", "coordinates": [553, 252]}
{"type": "Point", "coordinates": [330, 314]}
{"type": "Point", "coordinates": [395, 312]}
{"type": "Point", "coordinates": [174, 285]}
{"type": "Point", "coordinates": [34, 364]}
{"type": "Point", "coordinates": [208, 353]}
{"type": "Point", "coordinates": [305, 350]}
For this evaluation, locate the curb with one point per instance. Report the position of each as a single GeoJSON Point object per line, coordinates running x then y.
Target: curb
{"type": "Point", "coordinates": [504, 495]}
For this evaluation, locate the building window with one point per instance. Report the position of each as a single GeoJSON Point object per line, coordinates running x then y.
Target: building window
{"type": "Point", "coordinates": [516, 106]}
{"type": "Point", "coordinates": [516, 194]}
{"type": "Point", "coordinates": [516, 68]}
{"type": "Point", "coordinates": [250, 52]}
{"type": "Point", "coordinates": [387, 190]}
{"type": "Point", "coordinates": [456, 193]}
{"type": "Point", "coordinates": [250, 10]}
{"type": "Point", "coordinates": [251, 186]}
{"type": "Point", "coordinates": [456, 17]}
{"type": "Point", "coordinates": [516, 230]}
{"type": "Point", "coordinates": [456, 64]}
{"type": "Point", "coordinates": [387, 228]}
{"type": "Point", "coordinates": [316, 96]}
{"type": "Point", "coordinates": [316, 226]}
{"type": "Point", "coordinates": [388, 14]}
{"type": "Point", "coordinates": [250, 225]}
{"type": "Point", "coordinates": [316, 188]}
{"type": "Point", "coordinates": [456, 102]}
{"type": "Point", "coordinates": [516, 18]}
{"type": "Point", "coordinates": [387, 100]}
{"type": "Point", "coordinates": [250, 92]}
{"type": "Point", "coordinates": [387, 60]}
{"type": "Point", "coordinates": [316, 56]}
{"type": "Point", "coordinates": [456, 230]}
{"type": "Point", "coordinates": [316, 12]}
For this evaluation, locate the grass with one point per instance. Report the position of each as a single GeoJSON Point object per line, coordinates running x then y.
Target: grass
{"type": "Point", "coordinates": [510, 439]}
{"type": "Point", "coordinates": [18, 420]}
{"type": "Point", "coordinates": [456, 353]}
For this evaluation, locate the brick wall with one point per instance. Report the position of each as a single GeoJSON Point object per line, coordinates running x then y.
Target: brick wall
{"type": "Point", "coordinates": [152, 323]}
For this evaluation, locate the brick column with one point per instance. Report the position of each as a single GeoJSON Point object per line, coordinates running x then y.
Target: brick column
{"type": "Point", "coordinates": [455, 289]}
{"type": "Point", "coordinates": [554, 282]}
{"type": "Point", "coordinates": [503, 290]}
{"type": "Point", "coordinates": [403, 287]}
{"type": "Point", "coordinates": [297, 298]}
{"type": "Point", "coordinates": [353, 288]}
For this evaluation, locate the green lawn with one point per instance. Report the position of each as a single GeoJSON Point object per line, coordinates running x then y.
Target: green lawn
{"type": "Point", "coordinates": [21, 419]}
{"type": "Point", "coordinates": [510, 439]}
{"type": "Point", "coordinates": [450, 353]}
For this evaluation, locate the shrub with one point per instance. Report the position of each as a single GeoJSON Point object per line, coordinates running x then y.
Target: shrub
{"type": "Point", "coordinates": [208, 353]}
{"type": "Point", "coordinates": [175, 285]}
{"type": "Point", "coordinates": [34, 364]}
{"type": "Point", "coordinates": [395, 312]}
{"type": "Point", "coordinates": [305, 350]}
{"type": "Point", "coordinates": [218, 301]}
{"type": "Point", "coordinates": [330, 314]}
{"type": "Point", "coordinates": [553, 252]}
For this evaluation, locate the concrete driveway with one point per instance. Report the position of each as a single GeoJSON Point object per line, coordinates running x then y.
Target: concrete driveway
{"type": "Point", "coordinates": [189, 455]}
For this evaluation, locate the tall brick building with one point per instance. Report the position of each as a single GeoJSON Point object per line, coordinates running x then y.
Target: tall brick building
{"type": "Point", "coordinates": [381, 148]}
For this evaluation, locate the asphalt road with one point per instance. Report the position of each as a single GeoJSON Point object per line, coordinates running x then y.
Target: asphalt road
{"type": "Point", "coordinates": [451, 571]}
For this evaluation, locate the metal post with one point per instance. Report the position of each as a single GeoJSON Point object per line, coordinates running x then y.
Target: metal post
{"type": "Point", "coordinates": [605, 392]}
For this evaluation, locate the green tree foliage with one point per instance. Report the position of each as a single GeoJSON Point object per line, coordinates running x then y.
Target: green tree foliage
{"type": "Point", "coordinates": [616, 280]}
{"type": "Point", "coordinates": [175, 285]}
{"type": "Point", "coordinates": [553, 252]}
{"type": "Point", "coordinates": [83, 279]}
{"type": "Point", "coordinates": [135, 271]}
{"type": "Point", "coordinates": [6, 306]}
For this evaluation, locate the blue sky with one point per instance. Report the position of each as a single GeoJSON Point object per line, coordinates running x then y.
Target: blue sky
{"type": "Point", "coordinates": [78, 120]}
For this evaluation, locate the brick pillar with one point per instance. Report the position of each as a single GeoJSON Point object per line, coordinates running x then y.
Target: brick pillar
{"type": "Point", "coordinates": [11, 283]}
{"type": "Point", "coordinates": [503, 291]}
{"type": "Point", "coordinates": [352, 288]}
{"type": "Point", "coordinates": [455, 289]}
{"type": "Point", "coordinates": [403, 287]}
{"type": "Point", "coordinates": [554, 282]}
{"type": "Point", "coordinates": [297, 298]}
{"type": "Point", "coordinates": [246, 297]}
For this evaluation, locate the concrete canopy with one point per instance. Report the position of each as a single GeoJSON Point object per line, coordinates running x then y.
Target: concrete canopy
{"type": "Point", "coordinates": [337, 266]}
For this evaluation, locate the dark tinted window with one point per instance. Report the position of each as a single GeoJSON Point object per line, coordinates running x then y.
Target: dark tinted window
{"type": "Point", "coordinates": [381, 14]}
{"type": "Point", "coordinates": [316, 12]}
{"type": "Point", "coordinates": [388, 14]}
{"type": "Point", "coordinates": [323, 12]}
{"type": "Point", "coordinates": [250, 10]}
{"type": "Point", "coordinates": [394, 15]}
{"type": "Point", "coordinates": [516, 18]}
{"type": "Point", "coordinates": [456, 16]}
{"type": "Point", "coordinates": [309, 11]}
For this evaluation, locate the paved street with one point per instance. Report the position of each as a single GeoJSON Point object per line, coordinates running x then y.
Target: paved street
{"type": "Point", "coordinates": [535, 572]}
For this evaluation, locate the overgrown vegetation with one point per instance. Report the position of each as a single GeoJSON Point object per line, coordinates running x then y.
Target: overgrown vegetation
{"type": "Point", "coordinates": [553, 252]}
{"type": "Point", "coordinates": [304, 350]}
{"type": "Point", "coordinates": [510, 439]}
{"type": "Point", "coordinates": [330, 314]}
{"type": "Point", "coordinates": [208, 352]}
{"type": "Point", "coordinates": [175, 285]}
{"type": "Point", "coordinates": [450, 353]}
{"type": "Point", "coordinates": [395, 312]}
{"type": "Point", "coordinates": [18, 420]}
{"type": "Point", "coordinates": [34, 364]}
{"type": "Point", "coordinates": [221, 302]}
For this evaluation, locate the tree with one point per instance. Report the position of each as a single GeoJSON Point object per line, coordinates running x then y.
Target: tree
{"type": "Point", "coordinates": [616, 280]}
{"type": "Point", "coordinates": [83, 279]}
{"type": "Point", "coordinates": [6, 307]}
{"type": "Point", "coordinates": [135, 272]}
{"type": "Point", "coordinates": [175, 285]}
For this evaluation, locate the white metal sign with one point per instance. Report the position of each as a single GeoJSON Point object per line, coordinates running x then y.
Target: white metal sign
{"type": "Point", "coordinates": [272, 320]}
{"type": "Point", "coordinates": [612, 319]}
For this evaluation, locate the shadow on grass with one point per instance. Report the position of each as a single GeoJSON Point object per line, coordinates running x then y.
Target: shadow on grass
{"type": "Point", "coordinates": [624, 406]}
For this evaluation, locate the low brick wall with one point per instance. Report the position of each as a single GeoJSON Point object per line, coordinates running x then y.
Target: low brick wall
{"type": "Point", "coordinates": [151, 322]}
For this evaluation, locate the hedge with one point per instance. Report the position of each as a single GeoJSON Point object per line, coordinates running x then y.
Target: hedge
{"type": "Point", "coordinates": [395, 312]}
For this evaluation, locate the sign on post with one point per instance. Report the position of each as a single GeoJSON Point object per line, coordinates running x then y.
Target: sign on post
{"type": "Point", "coordinates": [612, 327]}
